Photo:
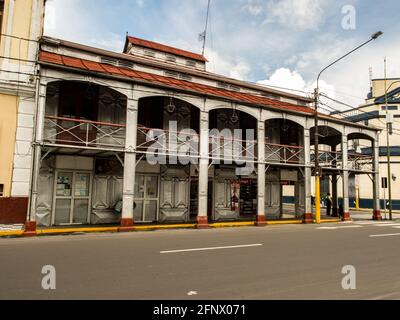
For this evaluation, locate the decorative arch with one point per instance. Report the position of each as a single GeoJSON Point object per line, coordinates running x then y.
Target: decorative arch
{"type": "Point", "coordinates": [329, 135]}
{"type": "Point", "coordinates": [253, 112]}
{"type": "Point", "coordinates": [191, 101]}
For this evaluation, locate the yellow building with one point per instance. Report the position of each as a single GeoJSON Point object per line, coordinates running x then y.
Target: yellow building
{"type": "Point", "coordinates": [21, 24]}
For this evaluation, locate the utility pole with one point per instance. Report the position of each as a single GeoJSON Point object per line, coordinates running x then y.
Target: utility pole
{"type": "Point", "coordinates": [389, 169]}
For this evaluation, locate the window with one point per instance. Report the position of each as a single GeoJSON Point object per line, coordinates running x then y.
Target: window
{"type": "Point", "coordinates": [1, 190]}
{"type": "Point", "coordinates": [185, 77]}
{"type": "Point", "coordinates": [390, 108]}
{"type": "Point", "coordinates": [149, 53]}
{"type": "Point", "coordinates": [171, 58]}
{"type": "Point", "coordinates": [190, 63]}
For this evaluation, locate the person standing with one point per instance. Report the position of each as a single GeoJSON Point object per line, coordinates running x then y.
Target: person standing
{"type": "Point", "coordinates": [328, 204]}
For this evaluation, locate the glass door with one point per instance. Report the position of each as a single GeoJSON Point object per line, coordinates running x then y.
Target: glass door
{"type": "Point", "coordinates": [146, 199]}
{"type": "Point", "coordinates": [81, 198]}
{"type": "Point", "coordinates": [72, 198]}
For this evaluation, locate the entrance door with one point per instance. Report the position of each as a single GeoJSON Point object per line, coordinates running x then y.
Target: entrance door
{"type": "Point", "coordinates": [72, 198]}
{"type": "Point", "coordinates": [146, 199]}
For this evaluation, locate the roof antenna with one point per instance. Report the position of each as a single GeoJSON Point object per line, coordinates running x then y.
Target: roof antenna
{"type": "Point", "coordinates": [203, 36]}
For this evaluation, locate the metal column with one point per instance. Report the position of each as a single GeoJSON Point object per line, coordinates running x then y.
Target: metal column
{"type": "Point", "coordinates": [307, 218]}
{"type": "Point", "coordinates": [335, 212]}
{"type": "Point", "coordinates": [202, 216]}
{"type": "Point", "coordinates": [129, 165]}
{"type": "Point", "coordinates": [260, 221]}
{"type": "Point", "coordinates": [375, 180]}
{"type": "Point", "coordinates": [30, 225]}
{"type": "Point", "coordinates": [345, 179]}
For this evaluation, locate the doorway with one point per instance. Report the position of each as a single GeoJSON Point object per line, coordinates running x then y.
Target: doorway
{"type": "Point", "coordinates": [146, 198]}
{"type": "Point", "coordinates": [72, 198]}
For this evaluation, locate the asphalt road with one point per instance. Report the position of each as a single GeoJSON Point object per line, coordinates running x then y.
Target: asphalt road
{"type": "Point", "coordinates": [275, 262]}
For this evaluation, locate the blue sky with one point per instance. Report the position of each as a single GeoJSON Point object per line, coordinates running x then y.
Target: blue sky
{"type": "Point", "coordinates": [275, 42]}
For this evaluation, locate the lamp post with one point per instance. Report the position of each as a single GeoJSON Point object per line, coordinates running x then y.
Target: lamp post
{"type": "Point", "coordinates": [316, 137]}
{"type": "Point", "coordinates": [388, 152]}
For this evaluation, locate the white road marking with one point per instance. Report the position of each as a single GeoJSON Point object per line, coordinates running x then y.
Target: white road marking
{"type": "Point", "coordinates": [212, 248]}
{"type": "Point", "coordinates": [384, 235]}
{"type": "Point", "coordinates": [373, 222]}
{"type": "Point", "coordinates": [388, 225]}
{"type": "Point", "coordinates": [192, 293]}
{"type": "Point", "coordinates": [340, 227]}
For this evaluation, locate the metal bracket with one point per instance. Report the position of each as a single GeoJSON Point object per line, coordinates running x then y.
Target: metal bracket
{"type": "Point", "coordinates": [45, 155]}
{"type": "Point", "coordinates": [119, 159]}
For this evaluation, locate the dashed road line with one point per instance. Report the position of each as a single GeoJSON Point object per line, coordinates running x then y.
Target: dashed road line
{"type": "Point", "coordinates": [384, 235]}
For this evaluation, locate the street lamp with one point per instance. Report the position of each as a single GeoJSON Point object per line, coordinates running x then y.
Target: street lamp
{"type": "Point", "coordinates": [388, 153]}
{"type": "Point", "coordinates": [316, 138]}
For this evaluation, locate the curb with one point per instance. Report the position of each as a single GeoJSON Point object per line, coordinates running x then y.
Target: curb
{"type": "Point", "coordinates": [44, 232]}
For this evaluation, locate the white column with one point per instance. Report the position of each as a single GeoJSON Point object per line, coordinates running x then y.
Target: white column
{"type": "Point", "coordinates": [129, 164]}
{"type": "Point", "coordinates": [260, 221]}
{"type": "Point", "coordinates": [345, 179]}
{"type": "Point", "coordinates": [376, 193]}
{"type": "Point", "coordinates": [30, 225]}
{"type": "Point", "coordinates": [307, 178]}
{"type": "Point", "coordinates": [202, 216]}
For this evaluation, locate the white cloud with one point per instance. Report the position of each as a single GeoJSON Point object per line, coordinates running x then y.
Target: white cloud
{"type": "Point", "coordinates": [233, 67]}
{"type": "Point", "coordinates": [254, 7]}
{"type": "Point", "coordinates": [293, 82]}
{"type": "Point", "coordinates": [64, 21]}
{"type": "Point", "coordinates": [286, 78]}
{"type": "Point", "coordinates": [297, 14]}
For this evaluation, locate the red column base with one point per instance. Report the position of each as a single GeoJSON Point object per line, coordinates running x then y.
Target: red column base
{"type": "Point", "coordinates": [260, 221]}
{"type": "Point", "coordinates": [307, 218]}
{"type": "Point", "coordinates": [202, 223]}
{"type": "Point", "coordinates": [30, 229]}
{"type": "Point", "coordinates": [126, 225]}
{"type": "Point", "coordinates": [377, 215]}
{"type": "Point", "coordinates": [346, 216]}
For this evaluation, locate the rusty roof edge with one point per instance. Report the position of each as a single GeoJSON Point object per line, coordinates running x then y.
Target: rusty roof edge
{"type": "Point", "coordinates": [167, 49]}
{"type": "Point", "coordinates": [160, 85]}
{"type": "Point", "coordinates": [208, 75]}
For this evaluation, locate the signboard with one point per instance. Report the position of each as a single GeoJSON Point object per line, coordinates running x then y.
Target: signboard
{"type": "Point", "coordinates": [384, 183]}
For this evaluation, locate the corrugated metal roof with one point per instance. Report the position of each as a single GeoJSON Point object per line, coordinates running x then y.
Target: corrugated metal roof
{"type": "Point", "coordinates": [164, 48]}
{"type": "Point", "coordinates": [86, 65]}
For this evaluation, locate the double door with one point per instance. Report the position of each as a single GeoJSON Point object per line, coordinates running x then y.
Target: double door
{"type": "Point", "coordinates": [72, 192]}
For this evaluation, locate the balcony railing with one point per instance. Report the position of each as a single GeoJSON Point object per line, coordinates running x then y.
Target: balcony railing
{"type": "Point", "coordinates": [222, 148]}
{"type": "Point", "coordinates": [167, 142]}
{"type": "Point", "coordinates": [328, 159]}
{"type": "Point", "coordinates": [83, 133]}
{"type": "Point", "coordinates": [278, 153]}
{"type": "Point", "coordinates": [360, 162]}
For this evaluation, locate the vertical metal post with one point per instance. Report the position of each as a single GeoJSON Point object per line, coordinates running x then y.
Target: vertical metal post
{"type": "Point", "coordinates": [375, 180]}
{"type": "Point", "coordinates": [202, 216]}
{"type": "Point", "coordinates": [127, 219]}
{"type": "Point", "coordinates": [261, 174]}
{"type": "Point", "coordinates": [345, 180]}
{"type": "Point", "coordinates": [307, 178]}
{"type": "Point", "coordinates": [317, 169]}
{"type": "Point", "coordinates": [389, 169]}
